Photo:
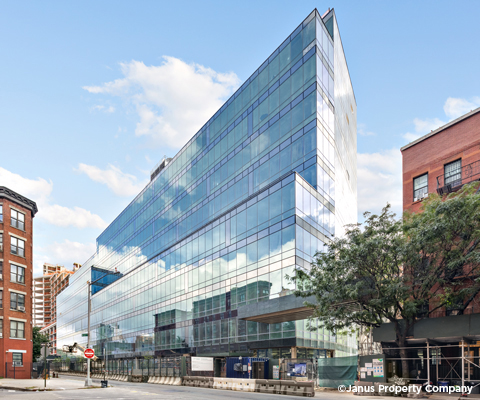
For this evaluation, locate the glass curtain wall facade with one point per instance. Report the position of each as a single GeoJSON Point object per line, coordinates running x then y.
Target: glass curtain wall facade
{"type": "Point", "coordinates": [253, 195]}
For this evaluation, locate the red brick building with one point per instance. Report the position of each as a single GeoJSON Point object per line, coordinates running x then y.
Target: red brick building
{"type": "Point", "coordinates": [442, 161]}
{"type": "Point", "coordinates": [16, 277]}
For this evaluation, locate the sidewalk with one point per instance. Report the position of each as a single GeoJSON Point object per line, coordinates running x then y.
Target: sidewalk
{"type": "Point", "coordinates": [38, 384]}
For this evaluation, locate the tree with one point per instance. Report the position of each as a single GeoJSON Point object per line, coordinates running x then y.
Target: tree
{"type": "Point", "coordinates": [38, 339]}
{"type": "Point", "coordinates": [399, 271]}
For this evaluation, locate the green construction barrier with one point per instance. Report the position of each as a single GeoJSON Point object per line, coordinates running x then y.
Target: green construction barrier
{"type": "Point", "coordinates": [333, 372]}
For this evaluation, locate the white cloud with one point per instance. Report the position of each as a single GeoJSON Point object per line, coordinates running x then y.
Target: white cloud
{"type": "Point", "coordinates": [422, 127]}
{"type": "Point", "coordinates": [39, 190]}
{"type": "Point", "coordinates": [109, 109]}
{"type": "Point", "coordinates": [76, 216]}
{"type": "Point", "coordinates": [379, 181]}
{"type": "Point", "coordinates": [426, 125]}
{"type": "Point", "coordinates": [118, 182]}
{"type": "Point", "coordinates": [362, 130]}
{"type": "Point", "coordinates": [36, 189]}
{"type": "Point", "coordinates": [410, 137]}
{"type": "Point", "coordinates": [65, 253]}
{"type": "Point", "coordinates": [173, 100]}
{"type": "Point", "coordinates": [455, 107]}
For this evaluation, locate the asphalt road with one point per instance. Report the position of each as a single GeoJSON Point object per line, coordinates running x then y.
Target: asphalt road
{"type": "Point", "coordinates": [134, 391]}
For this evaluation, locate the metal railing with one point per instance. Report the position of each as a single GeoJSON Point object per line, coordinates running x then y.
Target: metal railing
{"type": "Point", "coordinates": [446, 183]}
{"type": "Point", "coordinates": [155, 366]}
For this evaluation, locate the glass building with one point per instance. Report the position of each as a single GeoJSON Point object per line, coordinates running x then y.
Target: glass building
{"type": "Point", "coordinates": [251, 197]}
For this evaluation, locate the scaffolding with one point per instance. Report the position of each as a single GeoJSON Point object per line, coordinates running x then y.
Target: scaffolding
{"type": "Point", "coordinates": [457, 363]}
{"type": "Point", "coordinates": [366, 345]}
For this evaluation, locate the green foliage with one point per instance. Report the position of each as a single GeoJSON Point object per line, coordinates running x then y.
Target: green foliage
{"type": "Point", "coordinates": [37, 340]}
{"type": "Point", "coordinates": [390, 270]}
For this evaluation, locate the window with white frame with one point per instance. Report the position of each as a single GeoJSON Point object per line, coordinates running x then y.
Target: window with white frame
{"type": "Point", "coordinates": [17, 301]}
{"type": "Point", "coordinates": [420, 187]}
{"type": "Point", "coordinates": [17, 246]}
{"type": "Point", "coordinates": [17, 273]}
{"type": "Point", "coordinates": [17, 329]}
{"type": "Point", "coordinates": [17, 219]}
{"type": "Point", "coordinates": [17, 359]}
{"type": "Point", "coordinates": [453, 173]}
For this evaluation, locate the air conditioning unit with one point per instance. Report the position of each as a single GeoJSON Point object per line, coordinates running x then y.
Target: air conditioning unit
{"type": "Point", "coordinates": [20, 308]}
{"type": "Point", "coordinates": [1, 276]}
{"type": "Point", "coordinates": [1, 334]}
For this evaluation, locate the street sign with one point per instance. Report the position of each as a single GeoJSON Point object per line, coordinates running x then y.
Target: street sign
{"type": "Point", "coordinates": [89, 353]}
{"type": "Point", "coordinates": [84, 334]}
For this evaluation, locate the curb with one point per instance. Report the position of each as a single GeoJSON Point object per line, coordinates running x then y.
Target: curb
{"type": "Point", "coordinates": [24, 389]}
{"type": "Point", "coordinates": [46, 390]}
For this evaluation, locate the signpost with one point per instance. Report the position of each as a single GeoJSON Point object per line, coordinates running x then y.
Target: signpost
{"type": "Point", "coordinates": [202, 363]}
{"type": "Point", "coordinates": [89, 353]}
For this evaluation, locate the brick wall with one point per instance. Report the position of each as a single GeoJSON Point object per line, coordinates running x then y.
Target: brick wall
{"type": "Point", "coordinates": [461, 140]}
{"type": "Point", "coordinates": [6, 343]}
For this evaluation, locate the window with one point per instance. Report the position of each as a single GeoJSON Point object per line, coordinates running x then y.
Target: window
{"type": "Point", "coordinates": [17, 329]}
{"type": "Point", "coordinates": [1, 326]}
{"type": "Point", "coordinates": [420, 187]}
{"type": "Point", "coordinates": [454, 309]}
{"type": "Point", "coordinates": [17, 246]}
{"type": "Point", "coordinates": [18, 220]}
{"type": "Point", "coordinates": [17, 273]}
{"type": "Point", "coordinates": [1, 241]}
{"type": "Point", "coordinates": [17, 300]}
{"type": "Point", "coordinates": [1, 299]}
{"type": "Point", "coordinates": [17, 359]}
{"type": "Point", "coordinates": [1, 269]}
{"type": "Point", "coordinates": [1, 212]}
{"type": "Point", "coordinates": [436, 356]}
{"type": "Point", "coordinates": [453, 173]}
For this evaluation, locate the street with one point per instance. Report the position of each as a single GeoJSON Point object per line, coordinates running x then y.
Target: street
{"type": "Point", "coordinates": [128, 391]}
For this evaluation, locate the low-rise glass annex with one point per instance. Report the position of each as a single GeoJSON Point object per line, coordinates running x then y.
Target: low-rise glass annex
{"type": "Point", "coordinates": [252, 196]}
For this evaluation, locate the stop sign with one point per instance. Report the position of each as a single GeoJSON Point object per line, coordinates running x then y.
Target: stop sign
{"type": "Point", "coordinates": [89, 353]}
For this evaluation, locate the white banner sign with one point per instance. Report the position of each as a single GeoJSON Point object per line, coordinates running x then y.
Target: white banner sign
{"type": "Point", "coordinates": [202, 363]}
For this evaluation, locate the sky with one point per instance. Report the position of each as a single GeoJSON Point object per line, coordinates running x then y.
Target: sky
{"type": "Point", "coordinates": [93, 94]}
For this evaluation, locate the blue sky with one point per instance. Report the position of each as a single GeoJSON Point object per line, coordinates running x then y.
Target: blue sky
{"type": "Point", "coordinates": [94, 93]}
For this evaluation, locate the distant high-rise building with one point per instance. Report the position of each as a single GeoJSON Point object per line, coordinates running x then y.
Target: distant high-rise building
{"type": "Point", "coordinates": [201, 257]}
{"type": "Point", "coordinates": [16, 235]}
{"type": "Point", "coordinates": [46, 288]}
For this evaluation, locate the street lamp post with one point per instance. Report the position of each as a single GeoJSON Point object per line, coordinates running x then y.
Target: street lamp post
{"type": "Point", "coordinates": [88, 381]}
{"type": "Point", "coordinates": [105, 364]}
{"type": "Point", "coordinates": [45, 346]}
